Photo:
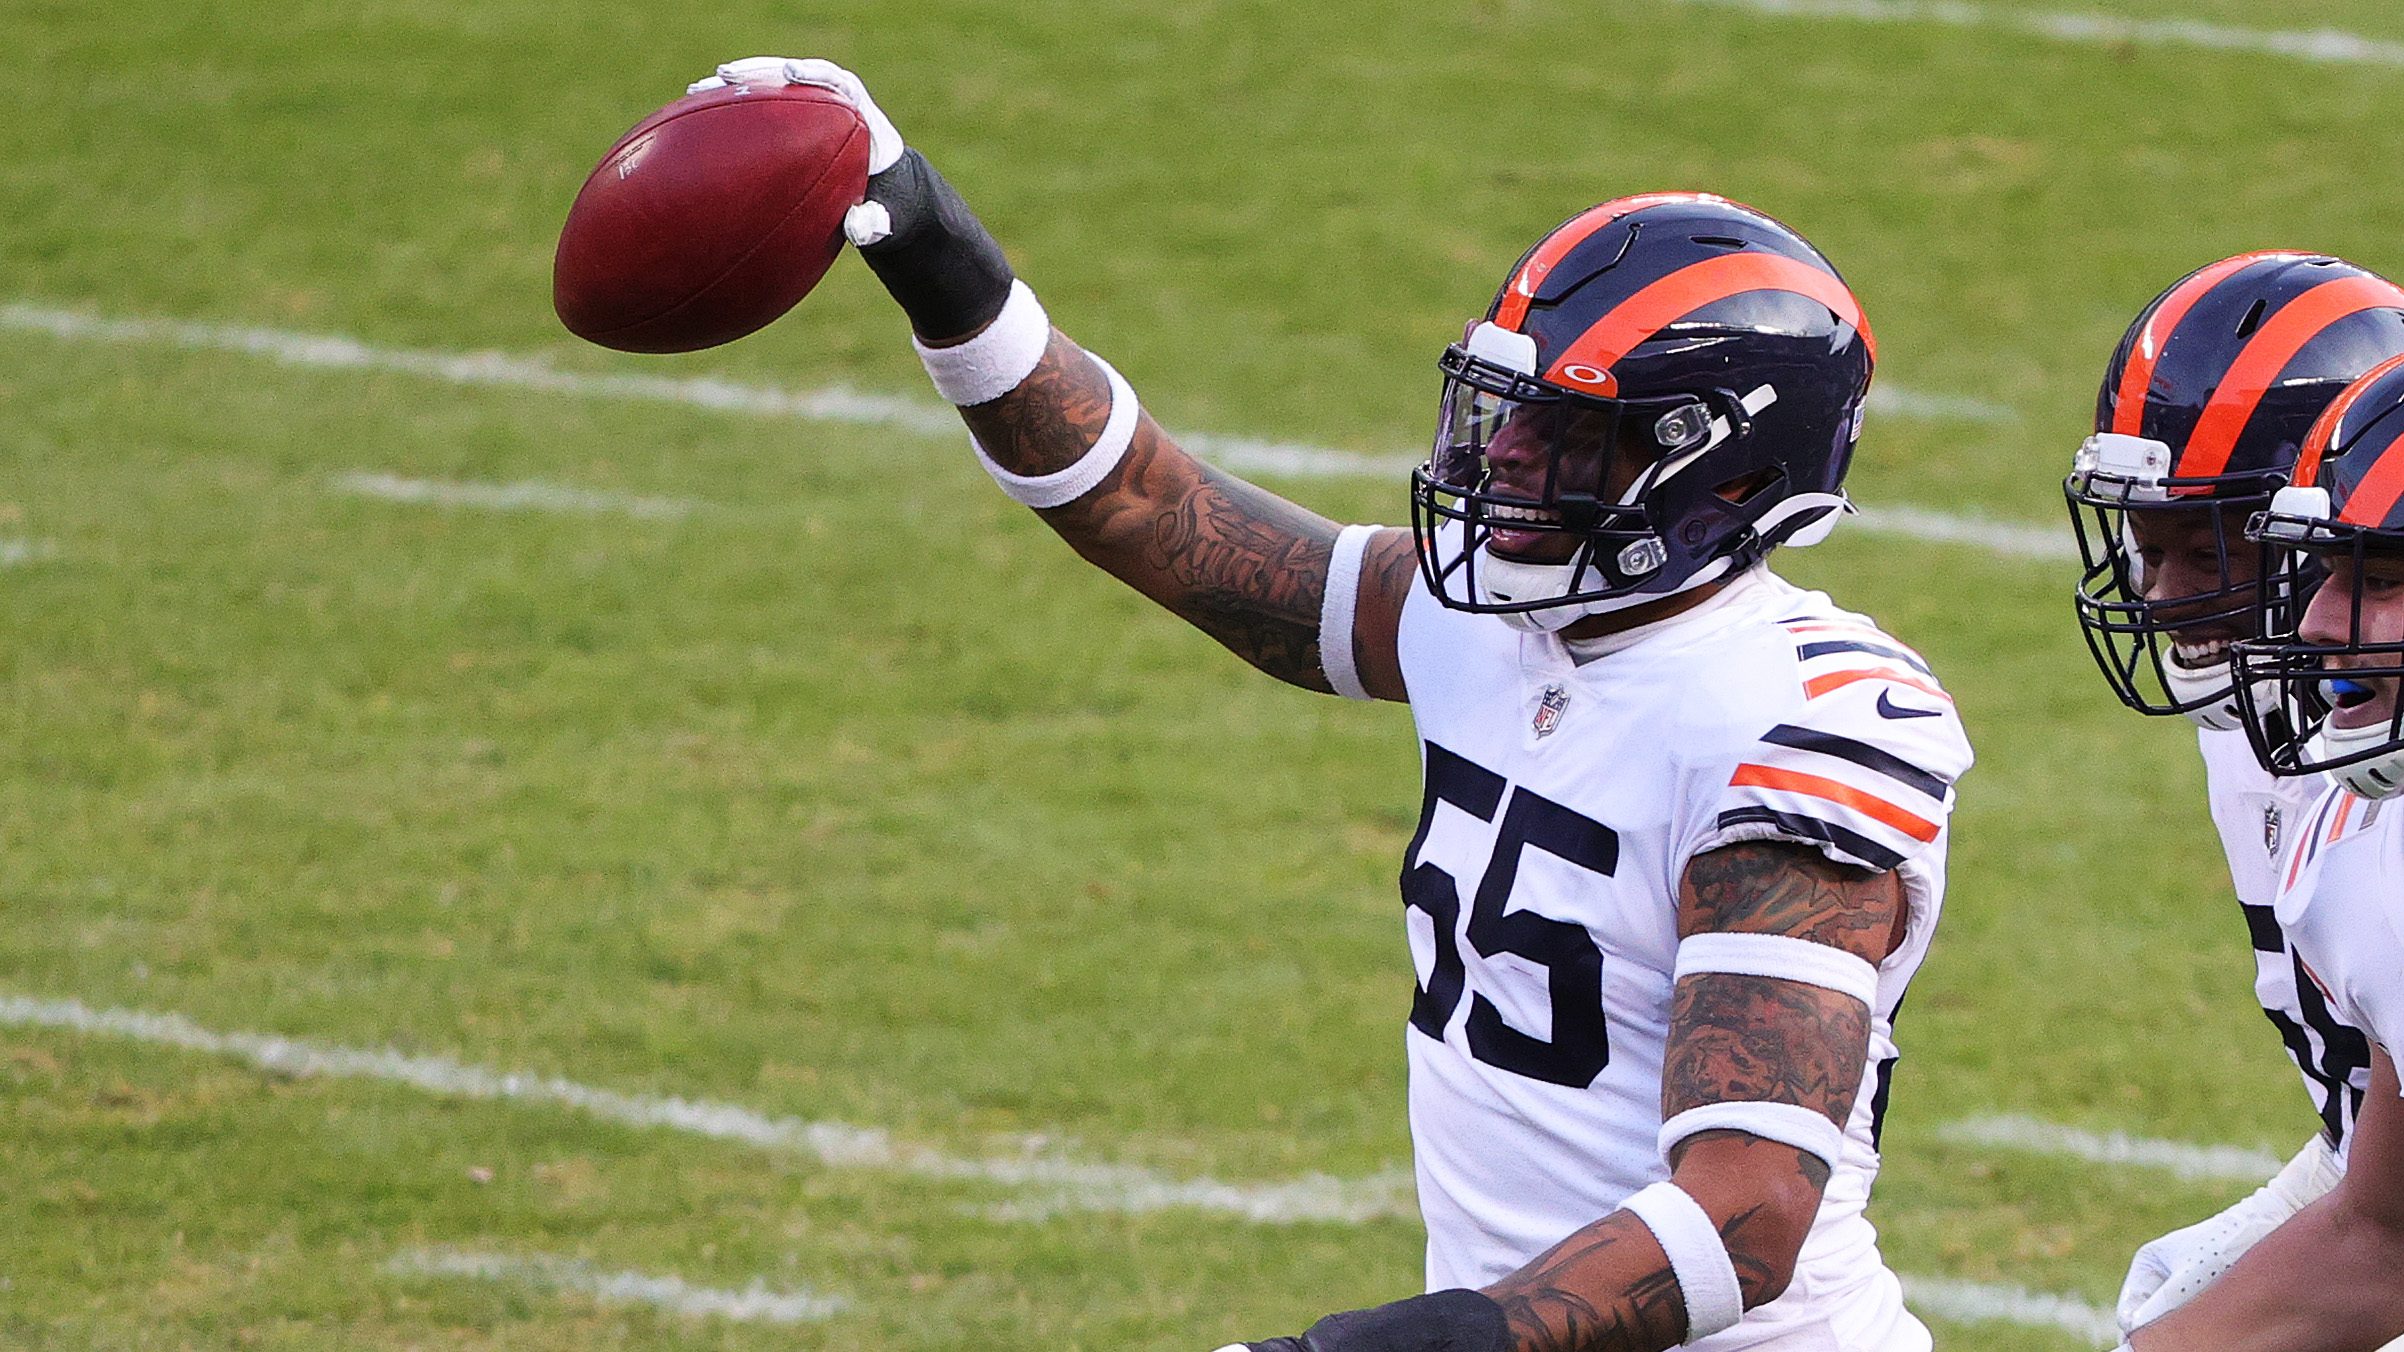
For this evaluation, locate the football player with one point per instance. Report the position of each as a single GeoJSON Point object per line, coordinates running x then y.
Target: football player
{"type": "Point", "coordinates": [2202, 409]}
{"type": "Point", "coordinates": [1682, 841]}
{"type": "Point", "coordinates": [2323, 698]}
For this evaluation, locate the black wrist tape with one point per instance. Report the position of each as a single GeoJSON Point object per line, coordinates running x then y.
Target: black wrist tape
{"type": "Point", "coordinates": [940, 263]}
{"type": "Point", "coordinates": [1458, 1320]}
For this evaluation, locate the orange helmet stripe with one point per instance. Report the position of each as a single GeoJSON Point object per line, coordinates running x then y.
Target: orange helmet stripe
{"type": "Point", "coordinates": [2368, 504]}
{"type": "Point", "coordinates": [1687, 290]}
{"type": "Point", "coordinates": [2324, 428]}
{"type": "Point", "coordinates": [1520, 291]}
{"type": "Point", "coordinates": [2128, 410]}
{"type": "Point", "coordinates": [2267, 353]}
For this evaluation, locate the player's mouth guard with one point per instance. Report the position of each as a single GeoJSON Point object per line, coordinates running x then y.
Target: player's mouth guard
{"type": "Point", "coordinates": [2345, 694]}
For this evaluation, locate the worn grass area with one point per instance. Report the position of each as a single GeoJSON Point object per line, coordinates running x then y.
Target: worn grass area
{"type": "Point", "coordinates": [847, 794]}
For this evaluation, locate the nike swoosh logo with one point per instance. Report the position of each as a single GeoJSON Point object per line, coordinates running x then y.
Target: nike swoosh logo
{"type": "Point", "coordinates": [1887, 708]}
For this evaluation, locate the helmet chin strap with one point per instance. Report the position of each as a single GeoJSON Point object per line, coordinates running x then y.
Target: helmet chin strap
{"type": "Point", "coordinates": [1504, 581]}
{"type": "Point", "coordinates": [2215, 687]}
{"type": "Point", "coordinates": [1501, 580]}
{"type": "Point", "coordinates": [2378, 777]}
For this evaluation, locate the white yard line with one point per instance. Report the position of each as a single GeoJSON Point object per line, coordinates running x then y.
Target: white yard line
{"type": "Point", "coordinates": [1053, 1179]}
{"type": "Point", "coordinates": [755, 1303]}
{"type": "Point", "coordinates": [522, 496]}
{"type": "Point", "coordinates": [1047, 1180]}
{"type": "Point", "coordinates": [1996, 1303]}
{"type": "Point", "coordinates": [2237, 1164]}
{"type": "Point", "coordinates": [2325, 45]}
{"type": "Point", "coordinates": [840, 405]}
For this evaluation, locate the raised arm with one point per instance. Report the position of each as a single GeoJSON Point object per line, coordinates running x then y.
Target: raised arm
{"type": "Point", "coordinates": [1241, 564]}
{"type": "Point", "coordinates": [1062, 433]}
{"type": "Point", "coordinates": [2327, 1280]}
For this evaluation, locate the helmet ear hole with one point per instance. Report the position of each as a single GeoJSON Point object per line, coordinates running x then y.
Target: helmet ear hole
{"type": "Point", "coordinates": [1744, 488]}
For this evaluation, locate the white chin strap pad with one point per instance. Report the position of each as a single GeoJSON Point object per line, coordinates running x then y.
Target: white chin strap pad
{"type": "Point", "coordinates": [2191, 683]}
{"type": "Point", "coordinates": [2376, 778]}
{"type": "Point", "coordinates": [1501, 579]}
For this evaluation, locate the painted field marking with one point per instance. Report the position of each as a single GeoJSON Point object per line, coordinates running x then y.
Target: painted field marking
{"type": "Point", "coordinates": [1997, 1303]}
{"type": "Point", "coordinates": [1051, 1181]}
{"type": "Point", "coordinates": [2230, 1163]}
{"type": "Point", "coordinates": [1056, 1180]}
{"type": "Point", "coordinates": [841, 405]}
{"type": "Point", "coordinates": [17, 553]}
{"type": "Point", "coordinates": [2325, 45]}
{"type": "Point", "coordinates": [755, 1303]}
{"type": "Point", "coordinates": [522, 496]}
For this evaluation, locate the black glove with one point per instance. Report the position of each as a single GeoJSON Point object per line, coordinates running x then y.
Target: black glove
{"type": "Point", "coordinates": [939, 261]}
{"type": "Point", "coordinates": [1459, 1320]}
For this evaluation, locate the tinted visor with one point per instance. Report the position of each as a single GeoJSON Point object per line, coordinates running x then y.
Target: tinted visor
{"type": "Point", "coordinates": [1560, 476]}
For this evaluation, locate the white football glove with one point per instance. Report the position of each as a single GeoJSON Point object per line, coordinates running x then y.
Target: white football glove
{"type": "Point", "coordinates": [869, 221]}
{"type": "Point", "coordinates": [2173, 1269]}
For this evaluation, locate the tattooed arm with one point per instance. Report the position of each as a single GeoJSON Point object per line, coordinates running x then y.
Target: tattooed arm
{"type": "Point", "coordinates": [1239, 563]}
{"type": "Point", "coordinates": [1609, 1287]}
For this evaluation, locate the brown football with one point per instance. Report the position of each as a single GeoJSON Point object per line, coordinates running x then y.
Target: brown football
{"type": "Point", "coordinates": [710, 218]}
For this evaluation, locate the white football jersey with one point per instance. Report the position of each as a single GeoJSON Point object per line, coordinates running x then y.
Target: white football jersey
{"type": "Point", "coordinates": [1563, 799]}
{"type": "Point", "coordinates": [2341, 902]}
{"type": "Point", "coordinates": [2256, 812]}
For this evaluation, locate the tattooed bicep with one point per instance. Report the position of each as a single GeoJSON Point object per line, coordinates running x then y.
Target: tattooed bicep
{"type": "Point", "coordinates": [1780, 887]}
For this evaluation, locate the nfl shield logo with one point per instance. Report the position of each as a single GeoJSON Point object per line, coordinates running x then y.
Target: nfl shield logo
{"type": "Point", "coordinates": [2270, 830]}
{"type": "Point", "coordinates": [1550, 708]}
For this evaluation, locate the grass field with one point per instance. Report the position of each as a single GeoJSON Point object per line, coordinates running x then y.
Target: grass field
{"type": "Point", "coordinates": [793, 769]}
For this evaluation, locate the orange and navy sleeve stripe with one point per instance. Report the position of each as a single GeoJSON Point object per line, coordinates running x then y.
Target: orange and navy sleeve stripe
{"type": "Point", "coordinates": [1863, 803]}
{"type": "Point", "coordinates": [1833, 654]}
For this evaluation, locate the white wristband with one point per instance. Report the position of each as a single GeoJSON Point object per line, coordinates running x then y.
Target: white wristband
{"type": "Point", "coordinates": [1062, 487]}
{"type": "Point", "coordinates": [994, 362]}
{"type": "Point", "coordinates": [1336, 610]}
{"type": "Point", "coordinates": [1698, 1257]}
{"type": "Point", "coordinates": [1781, 958]}
{"type": "Point", "coordinates": [1806, 1129]}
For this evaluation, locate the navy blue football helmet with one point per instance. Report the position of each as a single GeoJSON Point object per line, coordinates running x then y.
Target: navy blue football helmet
{"type": "Point", "coordinates": [2202, 409]}
{"type": "Point", "coordinates": [2326, 701]}
{"type": "Point", "coordinates": [1667, 387]}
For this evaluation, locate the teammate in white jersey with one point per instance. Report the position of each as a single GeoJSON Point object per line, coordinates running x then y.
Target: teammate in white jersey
{"type": "Point", "coordinates": [2318, 695]}
{"type": "Point", "coordinates": [2192, 435]}
{"type": "Point", "coordinates": [1684, 836]}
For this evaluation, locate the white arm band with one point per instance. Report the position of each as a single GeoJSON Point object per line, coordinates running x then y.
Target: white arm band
{"type": "Point", "coordinates": [1062, 487]}
{"type": "Point", "coordinates": [994, 362]}
{"type": "Point", "coordinates": [1698, 1257]}
{"type": "Point", "coordinates": [1781, 958]}
{"type": "Point", "coordinates": [1336, 611]}
{"type": "Point", "coordinates": [1806, 1129]}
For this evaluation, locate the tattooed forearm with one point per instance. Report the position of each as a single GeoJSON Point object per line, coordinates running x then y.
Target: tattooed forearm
{"type": "Point", "coordinates": [1606, 1288]}
{"type": "Point", "coordinates": [1777, 887]}
{"type": "Point", "coordinates": [1609, 1288]}
{"type": "Point", "coordinates": [1241, 564]}
{"type": "Point", "coordinates": [1051, 419]}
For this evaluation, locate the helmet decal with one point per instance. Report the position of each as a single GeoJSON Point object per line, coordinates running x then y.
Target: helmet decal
{"type": "Point", "coordinates": [1588, 361]}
